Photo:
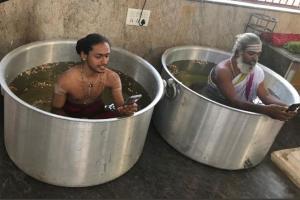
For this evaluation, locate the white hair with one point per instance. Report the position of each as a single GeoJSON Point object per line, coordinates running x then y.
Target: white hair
{"type": "Point", "coordinates": [244, 40]}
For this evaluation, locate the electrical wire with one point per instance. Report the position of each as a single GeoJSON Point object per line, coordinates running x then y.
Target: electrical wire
{"type": "Point", "coordinates": [141, 24]}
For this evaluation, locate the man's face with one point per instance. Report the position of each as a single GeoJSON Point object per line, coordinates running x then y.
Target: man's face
{"type": "Point", "coordinates": [97, 59]}
{"type": "Point", "coordinates": [247, 60]}
{"type": "Point", "coordinates": [250, 57]}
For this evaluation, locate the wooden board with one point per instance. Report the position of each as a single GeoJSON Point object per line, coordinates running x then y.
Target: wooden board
{"type": "Point", "coordinates": [288, 160]}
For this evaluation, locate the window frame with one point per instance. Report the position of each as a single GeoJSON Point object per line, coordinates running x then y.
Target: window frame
{"type": "Point", "coordinates": [252, 5]}
{"type": "Point", "coordinates": [265, 2]}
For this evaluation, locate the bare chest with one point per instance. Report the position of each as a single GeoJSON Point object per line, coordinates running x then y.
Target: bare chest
{"type": "Point", "coordinates": [86, 92]}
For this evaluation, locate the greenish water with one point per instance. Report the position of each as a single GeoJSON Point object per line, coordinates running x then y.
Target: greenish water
{"type": "Point", "coordinates": [35, 86]}
{"type": "Point", "coordinates": [192, 73]}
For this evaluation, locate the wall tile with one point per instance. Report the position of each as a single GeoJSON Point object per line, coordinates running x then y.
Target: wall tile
{"type": "Point", "coordinates": [172, 23]}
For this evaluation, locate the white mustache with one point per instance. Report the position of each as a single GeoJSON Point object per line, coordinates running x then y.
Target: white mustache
{"type": "Point", "coordinates": [254, 62]}
{"type": "Point", "coordinates": [244, 67]}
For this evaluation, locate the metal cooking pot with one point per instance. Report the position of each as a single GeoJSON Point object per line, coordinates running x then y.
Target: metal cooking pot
{"type": "Point", "coordinates": [67, 151]}
{"type": "Point", "coordinates": [209, 132]}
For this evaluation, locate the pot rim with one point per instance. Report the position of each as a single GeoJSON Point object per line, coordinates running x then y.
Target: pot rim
{"type": "Point", "coordinates": [12, 54]}
{"type": "Point", "coordinates": [189, 47]}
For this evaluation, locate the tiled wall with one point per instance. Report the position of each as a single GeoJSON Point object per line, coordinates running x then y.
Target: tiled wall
{"type": "Point", "coordinates": [172, 23]}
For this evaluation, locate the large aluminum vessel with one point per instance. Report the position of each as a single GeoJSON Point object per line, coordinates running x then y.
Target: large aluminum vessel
{"type": "Point", "coordinates": [67, 151]}
{"type": "Point", "coordinates": [209, 132]}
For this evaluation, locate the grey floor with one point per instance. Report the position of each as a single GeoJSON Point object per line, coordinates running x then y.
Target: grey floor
{"type": "Point", "coordinates": [162, 172]}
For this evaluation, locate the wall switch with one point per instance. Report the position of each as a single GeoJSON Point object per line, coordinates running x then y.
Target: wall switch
{"type": "Point", "coordinates": [133, 16]}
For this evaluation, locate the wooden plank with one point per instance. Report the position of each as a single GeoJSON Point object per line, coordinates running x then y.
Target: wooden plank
{"type": "Point", "coordinates": [288, 160]}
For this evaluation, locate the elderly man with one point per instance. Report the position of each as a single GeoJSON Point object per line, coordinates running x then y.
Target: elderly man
{"type": "Point", "coordinates": [237, 81]}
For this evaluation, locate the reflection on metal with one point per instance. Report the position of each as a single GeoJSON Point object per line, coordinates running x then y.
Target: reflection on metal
{"type": "Point", "coordinates": [212, 133]}
{"type": "Point", "coordinates": [67, 151]}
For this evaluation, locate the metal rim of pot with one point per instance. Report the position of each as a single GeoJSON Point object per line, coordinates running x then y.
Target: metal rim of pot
{"type": "Point", "coordinates": [26, 47]}
{"type": "Point", "coordinates": [170, 82]}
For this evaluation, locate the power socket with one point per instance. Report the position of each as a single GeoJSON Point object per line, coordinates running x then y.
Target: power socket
{"type": "Point", "coordinates": [133, 16]}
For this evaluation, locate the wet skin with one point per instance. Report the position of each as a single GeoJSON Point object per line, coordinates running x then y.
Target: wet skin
{"type": "Point", "coordinates": [223, 78]}
{"type": "Point", "coordinates": [93, 69]}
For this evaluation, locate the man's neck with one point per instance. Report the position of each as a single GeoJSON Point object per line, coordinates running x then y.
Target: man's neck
{"type": "Point", "coordinates": [88, 71]}
{"type": "Point", "coordinates": [242, 67]}
{"type": "Point", "coordinates": [234, 65]}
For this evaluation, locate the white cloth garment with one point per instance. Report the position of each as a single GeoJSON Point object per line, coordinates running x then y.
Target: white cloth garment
{"type": "Point", "coordinates": [240, 86]}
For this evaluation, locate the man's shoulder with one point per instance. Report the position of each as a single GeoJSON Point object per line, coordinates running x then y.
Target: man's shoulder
{"type": "Point", "coordinates": [111, 73]}
{"type": "Point", "coordinates": [223, 66]}
{"type": "Point", "coordinates": [258, 69]}
{"type": "Point", "coordinates": [113, 79]}
{"type": "Point", "coordinates": [69, 74]}
{"type": "Point", "coordinates": [72, 71]}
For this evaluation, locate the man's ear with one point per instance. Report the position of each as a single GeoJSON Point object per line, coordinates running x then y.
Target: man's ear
{"type": "Point", "coordinates": [239, 53]}
{"type": "Point", "coordinates": [83, 56]}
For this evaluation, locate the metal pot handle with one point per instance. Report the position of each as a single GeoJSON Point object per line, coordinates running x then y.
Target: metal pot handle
{"type": "Point", "coordinates": [170, 88]}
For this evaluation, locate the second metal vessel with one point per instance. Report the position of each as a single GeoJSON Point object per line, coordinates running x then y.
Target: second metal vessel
{"type": "Point", "coordinates": [212, 133]}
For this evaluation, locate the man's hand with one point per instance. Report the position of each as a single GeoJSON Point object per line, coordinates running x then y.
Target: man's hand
{"type": "Point", "coordinates": [128, 110]}
{"type": "Point", "coordinates": [279, 112]}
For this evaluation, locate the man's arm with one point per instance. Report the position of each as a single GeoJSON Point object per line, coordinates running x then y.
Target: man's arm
{"type": "Point", "coordinates": [58, 101]}
{"type": "Point", "coordinates": [119, 102]}
{"type": "Point", "coordinates": [274, 107]}
{"type": "Point", "coordinates": [118, 97]}
{"type": "Point", "coordinates": [224, 83]}
{"type": "Point", "coordinates": [266, 97]}
{"type": "Point", "coordinates": [59, 98]}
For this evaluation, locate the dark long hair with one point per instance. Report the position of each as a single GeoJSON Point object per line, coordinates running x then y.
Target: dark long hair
{"type": "Point", "coordinates": [86, 44]}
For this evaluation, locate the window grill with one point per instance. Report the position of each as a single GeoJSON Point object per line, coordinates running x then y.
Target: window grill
{"type": "Point", "coordinates": [259, 23]}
